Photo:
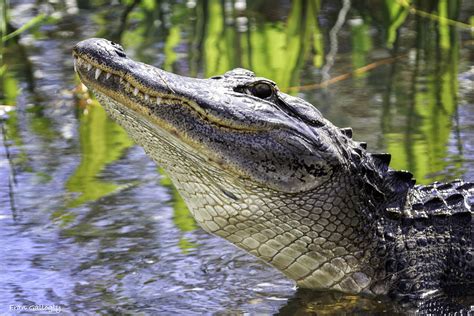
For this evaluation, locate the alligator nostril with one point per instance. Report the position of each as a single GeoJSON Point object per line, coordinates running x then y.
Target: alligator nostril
{"type": "Point", "coordinates": [120, 53]}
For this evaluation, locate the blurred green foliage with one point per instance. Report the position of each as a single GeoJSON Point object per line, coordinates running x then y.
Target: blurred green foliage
{"type": "Point", "coordinates": [421, 145]}
{"type": "Point", "coordinates": [30, 24]}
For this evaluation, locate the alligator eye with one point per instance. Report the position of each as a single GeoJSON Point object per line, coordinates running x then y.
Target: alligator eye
{"type": "Point", "coordinates": [262, 90]}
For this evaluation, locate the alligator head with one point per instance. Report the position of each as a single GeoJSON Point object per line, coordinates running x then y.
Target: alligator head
{"type": "Point", "coordinates": [256, 166]}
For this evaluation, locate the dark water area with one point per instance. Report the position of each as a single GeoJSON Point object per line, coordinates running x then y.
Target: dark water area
{"type": "Point", "coordinates": [89, 223]}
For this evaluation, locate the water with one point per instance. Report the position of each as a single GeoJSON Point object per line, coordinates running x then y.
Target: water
{"type": "Point", "coordinates": [89, 223]}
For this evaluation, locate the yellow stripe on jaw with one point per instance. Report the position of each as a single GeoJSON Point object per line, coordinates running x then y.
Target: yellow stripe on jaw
{"type": "Point", "coordinates": [157, 97]}
{"type": "Point", "coordinates": [134, 88]}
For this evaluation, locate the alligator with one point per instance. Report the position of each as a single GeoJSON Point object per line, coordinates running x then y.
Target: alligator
{"type": "Point", "coordinates": [267, 172]}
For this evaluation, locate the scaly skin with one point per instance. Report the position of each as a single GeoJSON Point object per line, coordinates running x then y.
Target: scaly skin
{"type": "Point", "coordinates": [267, 172]}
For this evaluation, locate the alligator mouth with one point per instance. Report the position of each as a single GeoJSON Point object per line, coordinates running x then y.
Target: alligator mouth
{"type": "Point", "coordinates": [135, 93]}
{"type": "Point", "coordinates": [106, 79]}
{"type": "Point", "coordinates": [124, 88]}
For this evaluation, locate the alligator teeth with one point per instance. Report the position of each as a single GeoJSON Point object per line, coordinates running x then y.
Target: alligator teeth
{"type": "Point", "coordinates": [97, 73]}
{"type": "Point", "coordinates": [127, 85]}
{"type": "Point", "coordinates": [158, 100]}
{"type": "Point", "coordinates": [147, 97]}
{"type": "Point", "coordinates": [89, 67]}
{"type": "Point", "coordinates": [135, 91]}
{"type": "Point", "coordinates": [121, 80]}
{"type": "Point", "coordinates": [75, 67]}
{"type": "Point", "coordinates": [107, 75]}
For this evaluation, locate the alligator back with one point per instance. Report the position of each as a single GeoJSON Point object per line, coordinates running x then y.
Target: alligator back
{"type": "Point", "coordinates": [429, 242]}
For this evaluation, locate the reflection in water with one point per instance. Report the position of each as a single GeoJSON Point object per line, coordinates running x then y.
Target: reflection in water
{"type": "Point", "coordinates": [333, 40]}
{"type": "Point", "coordinates": [420, 145]}
{"type": "Point", "coordinates": [102, 142]}
{"type": "Point", "coordinates": [98, 229]}
{"type": "Point", "coordinates": [181, 217]}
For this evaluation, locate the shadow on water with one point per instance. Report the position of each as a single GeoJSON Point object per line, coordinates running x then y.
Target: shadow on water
{"type": "Point", "coordinates": [90, 224]}
{"type": "Point", "coordinates": [307, 302]}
